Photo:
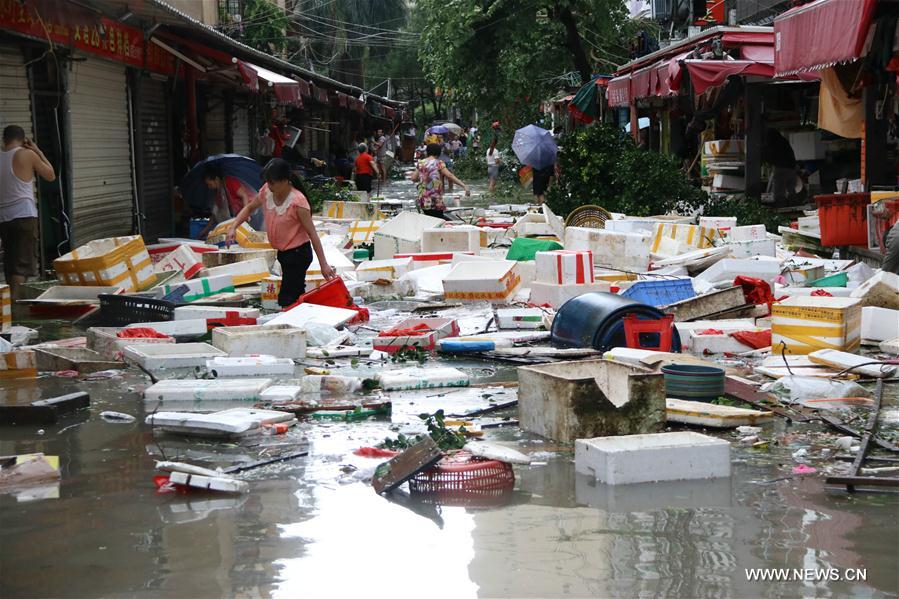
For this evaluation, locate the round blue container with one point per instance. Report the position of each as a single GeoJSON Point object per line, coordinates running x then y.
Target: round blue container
{"type": "Point", "coordinates": [195, 226]}
{"type": "Point", "coordinates": [693, 383]}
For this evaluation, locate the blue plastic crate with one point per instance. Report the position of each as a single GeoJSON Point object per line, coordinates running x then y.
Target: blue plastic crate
{"type": "Point", "coordinates": [660, 292]}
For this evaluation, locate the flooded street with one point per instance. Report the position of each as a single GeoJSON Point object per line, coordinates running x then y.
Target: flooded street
{"type": "Point", "coordinates": [313, 526]}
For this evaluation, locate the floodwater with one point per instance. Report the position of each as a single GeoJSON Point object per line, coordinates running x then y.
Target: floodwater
{"type": "Point", "coordinates": [313, 526]}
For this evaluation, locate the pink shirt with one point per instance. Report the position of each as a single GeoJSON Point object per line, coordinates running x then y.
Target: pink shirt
{"type": "Point", "coordinates": [282, 223]}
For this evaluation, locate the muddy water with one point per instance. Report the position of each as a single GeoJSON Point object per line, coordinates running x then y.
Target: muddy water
{"type": "Point", "coordinates": [313, 527]}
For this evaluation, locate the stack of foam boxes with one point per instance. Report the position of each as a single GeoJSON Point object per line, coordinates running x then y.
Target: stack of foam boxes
{"type": "Point", "coordinates": [5, 309]}
{"type": "Point", "coordinates": [563, 275]}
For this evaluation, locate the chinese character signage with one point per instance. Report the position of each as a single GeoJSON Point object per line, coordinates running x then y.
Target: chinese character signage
{"type": "Point", "coordinates": [103, 37]}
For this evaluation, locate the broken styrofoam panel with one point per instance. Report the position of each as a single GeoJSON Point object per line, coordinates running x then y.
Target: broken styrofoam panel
{"type": "Point", "coordinates": [242, 273]}
{"type": "Point", "coordinates": [518, 229]}
{"type": "Point", "coordinates": [628, 251]}
{"type": "Point", "coordinates": [556, 224]}
{"type": "Point", "coordinates": [228, 367]}
{"type": "Point", "coordinates": [890, 347]}
{"type": "Point", "coordinates": [690, 237]}
{"type": "Point", "coordinates": [705, 345]}
{"type": "Point", "coordinates": [780, 291]}
{"type": "Point", "coordinates": [879, 324]}
{"type": "Point", "coordinates": [234, 254]}
{"type": "Point", "coordinates": [226, 423]}
{"type": "Point", "coordinates": [384, 270]}
{"type": "Point", "coordinates": [682, 455]}
{"type": "Point", "coordinates": [747, 233]}
{"type": "Point", "coordinates": [802, 275]}
{"type": "Point", "coordinates": [749, 249]}
{"type": "Point", "coordinates": [281, 393]}
{"type": "Point", "coordinates": [213, 312]}
{"type": "Point", "coordinates": [702, 306]}
{"type": "Point", "coordinates": [859, 364]}
{"type": "Point", "coordinates": [411, 335]}
{"type": "Point", "coordinates": [363, 231]}
{"type": "Point", "coordinates": [220, 483]}
{"type": "Point", "coordinates": [175, 328]}
{"type": "Point", "coordinates": [394, 290]}
{"type": "Point", "coordinates": [182, 258]}
{"type": "Point", "coordinates": [207, 390]}
{"type": "Point", "coordinates": [402, 234]}
{"type": "Point", "coordinates": [684, 329]}
{"type": "Point", "coordinates": [555, 296]}
{"type": "Point", "coordinates": [304, 314]}
{"type": "Point", "coordinates": [465, 238]}
{"type": "Point", "coordinates": [519, 318]}
{"type": "Point", "coordinates": [106, 342]}
{"type": "Point", "coordinates": [336, 260]}
{"type": "Point", "coordinates": [280, 341]}
{"type": "Point", "coordinates": [428, 259]}
{"type": "Point", "coordinates": [422, 378]}
{"type": "Point", "coordinates": [495, 281]}
{"type": "Point", "coordinates": [156, 358]}
{"type": "Point", "coordinates": [722, 223]}
{"type": "Point", "coordinates": [699, 413]}
{"type": "Point", "coordinates": [881, 290]}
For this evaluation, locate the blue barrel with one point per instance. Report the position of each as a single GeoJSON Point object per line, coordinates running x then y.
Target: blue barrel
{"type": "Point", "coordinates": [693, 383]}
{"type": "Point", "coordinates": [196, 225]}
{"type": "Point", "coordinates": [597, 320]}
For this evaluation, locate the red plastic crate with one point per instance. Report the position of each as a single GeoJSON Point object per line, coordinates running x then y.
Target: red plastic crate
{"type": "Point", "coordinates": [843, 218]}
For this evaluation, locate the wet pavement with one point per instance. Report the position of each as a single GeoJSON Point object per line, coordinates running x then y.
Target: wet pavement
{"type": "Point", "coordinates": [313, 526]}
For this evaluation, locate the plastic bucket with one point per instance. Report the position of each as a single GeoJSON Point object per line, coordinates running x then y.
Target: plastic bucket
{"type": "Point", "coordinates": [596, 320]}
{"type": "Point", "coordinates": [693, 383]}
{"type": "Point", "coordinates": [196, 225]}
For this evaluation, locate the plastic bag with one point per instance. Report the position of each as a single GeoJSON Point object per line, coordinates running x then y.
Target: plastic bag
{"type": "Point", "coordinates": [791, 389]}
{"type": "Point", "coordinates": [140, 333]}
{"type": "Point", "coordinates": [320, 335]}
{"type": "Point", "coordinates": [325, 383]}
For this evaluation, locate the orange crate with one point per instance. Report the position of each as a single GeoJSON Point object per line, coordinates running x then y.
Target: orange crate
{"type": "Point", "coordinates": [843, 218]}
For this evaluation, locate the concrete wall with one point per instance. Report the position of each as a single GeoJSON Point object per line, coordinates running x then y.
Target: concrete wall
{"type": "Point", "coordinates": [205, 11]}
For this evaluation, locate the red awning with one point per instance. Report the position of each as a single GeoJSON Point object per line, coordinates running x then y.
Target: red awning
{"type": "Point", "coordinates": [619, 91]}
{"type": "Point", "coordinates": [821, 34]}
{"type": "Point", "coordinates": [713, 73]}
{"type": "Point", "coordinates": [758, 53]}
{"type": "Point", "coordinates": [286, 90]}
{"type": "Point", "coordinates": [642, 85]}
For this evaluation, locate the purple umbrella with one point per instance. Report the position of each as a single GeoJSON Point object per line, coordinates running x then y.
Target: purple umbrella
{"type": "Point", "coordinates": [535, 147]}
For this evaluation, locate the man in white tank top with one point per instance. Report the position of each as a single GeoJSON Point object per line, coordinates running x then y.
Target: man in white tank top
{"type": "Point", "coordinates": [20, 159]}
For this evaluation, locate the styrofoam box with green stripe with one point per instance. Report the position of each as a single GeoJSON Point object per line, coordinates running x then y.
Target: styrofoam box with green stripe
{"type": "Point", "coordinates": [203, 287]}
{"type": "Point", "coordinates": [519, 318]}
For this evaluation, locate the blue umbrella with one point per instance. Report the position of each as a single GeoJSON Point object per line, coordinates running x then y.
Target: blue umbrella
{"type": "Point", "coordinates": [194, 189]}
{"type": "Point", "coordinates": [535, 147]}
{"type": "Point", "coordinates": [438, 130]}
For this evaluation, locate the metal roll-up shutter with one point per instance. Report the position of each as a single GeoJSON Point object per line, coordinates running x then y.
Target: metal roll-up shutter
{"type": "Point", "coordinates": [102, 192]}
{"type": "Point", "coordinates": [154, 190]}
{"type": "Point", "coordinates": [215, 126]}
{"type": "Point", "coordinates": [240, 128]}
{"type": "Point", "coordinates": [15, 97]}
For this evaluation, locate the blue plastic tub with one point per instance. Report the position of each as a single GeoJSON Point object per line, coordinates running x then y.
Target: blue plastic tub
{"type": "Point", "coordinates": [660, 292]}
{"type": "Point", "coordinates": [196, 225]}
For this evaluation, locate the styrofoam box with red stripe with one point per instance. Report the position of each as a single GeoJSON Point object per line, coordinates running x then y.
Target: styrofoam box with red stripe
{"type": "Point", "coordinates": [722, 223]}
{"type": "Point", "coordinates": [424, 260]}
{"type": "Point", "coordinates": [438, 328]}
{"type": "Point", "coordinates": [387, 270]}
{"type": "Point", "coordinates": [565, 267]}
{"type": "Point", "coordinates": [182, 259]}
{"type": "Point", "coordinates": [158, 251]}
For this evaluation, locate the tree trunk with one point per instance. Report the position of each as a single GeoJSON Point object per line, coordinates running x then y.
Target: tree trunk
{"type": "Point", "coordinates": [573, 41]}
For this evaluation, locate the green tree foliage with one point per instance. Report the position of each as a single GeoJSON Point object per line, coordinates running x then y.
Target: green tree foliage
{"type": "Point", "coordinates": [601, 166]}
{"type": "Point", "coordinates": [265, 28]}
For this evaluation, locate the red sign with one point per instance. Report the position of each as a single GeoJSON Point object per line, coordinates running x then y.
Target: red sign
{"type": "Point", "coordinates": [103, 37]}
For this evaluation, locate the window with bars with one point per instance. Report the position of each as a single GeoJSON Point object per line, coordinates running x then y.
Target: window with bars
{"type": "Point", "coordinates": [228, 10]}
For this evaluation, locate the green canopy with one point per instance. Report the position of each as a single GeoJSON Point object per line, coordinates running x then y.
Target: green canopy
{"type": "Point", "coordinates": [583, 106]}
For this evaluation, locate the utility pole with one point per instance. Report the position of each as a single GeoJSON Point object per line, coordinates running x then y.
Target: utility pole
{"type": "Point", "coordinates": [388, 88]}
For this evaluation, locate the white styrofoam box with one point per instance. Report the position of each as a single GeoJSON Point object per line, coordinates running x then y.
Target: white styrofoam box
{"type": "Point", "coordinates": [160, 250]}
{"type": "Point", "coordinates": [565, 267]}
{"type": "Point", "coordinates": [277, 393]}
{"type": "Point", "coordinates": [453, 239]}
{"type": "Point", "coordinates": [727, 326]}
{"type": "Point", "coordinates": [202, 287]}
{"type": "Point", "coordinates": [703, 345]}
{"type": "Point", "coordinates": [725, 271]}
{"type": "Point", "coordinates": [809, 224]}
{"type": "Point", "coordinates": [104, 341]}
{"type": "Point", "coordinates": [531, 217]}
{"type": "Point", "coordinates": [347, 210]}
{"type": "Point", "coordinates": [519, 318]}
{"type": "Point", "coordinates": [175, 328]}
{"type": "Point", "coordinates": [242, 273]}
{"type": "Point", "coordinates": [389, 270]}
{"type": "Point", "coordinates": [728, 181]}
{"type": "Point", "coordinates": [839, 360]}
{"type": "Point", "coordinates": [747, 233]}
{"type": "Point", "coordinates": [879, 324]}
{"type": "Point", "coordinates": [748, 249]}
{"type": "Point", "coordinates": [269, 288]}
{"type": "Point", "coordinates": [67, 293]}
{"type": "Point", "coordinates": [630, 226]}
{"type": "Point", "coordinates": [527, 270]}
{"type": "Point", "coordinates": [629, 251]}
{"type": "Point", "coordinates": [881, 290]}
{"type": "Point", "coordinates": [627, 459]}
{"type": "Point", "coordinates": [806, 324]}
{"type": "Point", "coordinates": [181, 258]}
{"type": "Point", "coordinates": [494, 281]}
{"type": "Point", "coordinates": [209, 312]}
{"type": "Point", "coordinates": [724, 147]}
{"type": "Point", "coordinates": [722, 223]}
{"type": "Point", "coordinates": [167, 356]}
{"type": "Point", "coordinates": [402, 234]}
{"type": "Point", "coordinates": [802, 275]}
{"type": "Point", "coordinates": [363, 231]}
{"type": "Point", "coordinates": [250, 366]}
{"type": "Point", "coordinates": [538, 230]}
{"type": "Point", "coordinates": [890, 347]}
{"type": "Point", "coordinates": [309, 313]}
{"type": "Point", "coordinates": [688, 238]}
{"type": "Point", "coordinates": [280, 341]}
{"type": "Point", "coordinates": [556, 295]}
{"type": "Point", "coordinates": [233, 422]}
{"type": "Point", "coordinates": [207, 390]}
{"type": "Point", "coordinates": [807, 145]}
{"type": "Point", "coordinates": [336, 260]}
{"type": "Point", "coordinates": [422, 378]}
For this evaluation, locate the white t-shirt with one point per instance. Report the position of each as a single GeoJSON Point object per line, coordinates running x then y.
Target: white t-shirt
{"type": "Point", "coordinates": [492, 158]}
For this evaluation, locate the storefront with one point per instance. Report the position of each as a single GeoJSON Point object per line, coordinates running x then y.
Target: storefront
{"type": "Point", "coordinates": [154, 154]}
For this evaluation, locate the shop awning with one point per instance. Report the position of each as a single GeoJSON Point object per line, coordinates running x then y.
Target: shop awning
{"type": "Point", "coordinates": [286, 90]}
{"type": "Point", "coordinates": [618, 92]}
{"type": "Point", "coordinates": [642, 85]}
{"type": "Point", "coordinates": [821, 34]}
{"type": "Point", "coordinates": [713, 73]}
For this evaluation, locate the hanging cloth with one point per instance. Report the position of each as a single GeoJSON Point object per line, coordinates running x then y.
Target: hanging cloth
{"type": "Point", "coordinates": [837, 111]}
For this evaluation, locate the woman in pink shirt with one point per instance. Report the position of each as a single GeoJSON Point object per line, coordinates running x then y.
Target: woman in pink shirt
{"type": "Point", "coordinates": [288, 222]}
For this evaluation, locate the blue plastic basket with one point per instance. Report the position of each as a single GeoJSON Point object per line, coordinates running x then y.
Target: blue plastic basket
{"type": "Point", "coordinates": [660, 292]}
